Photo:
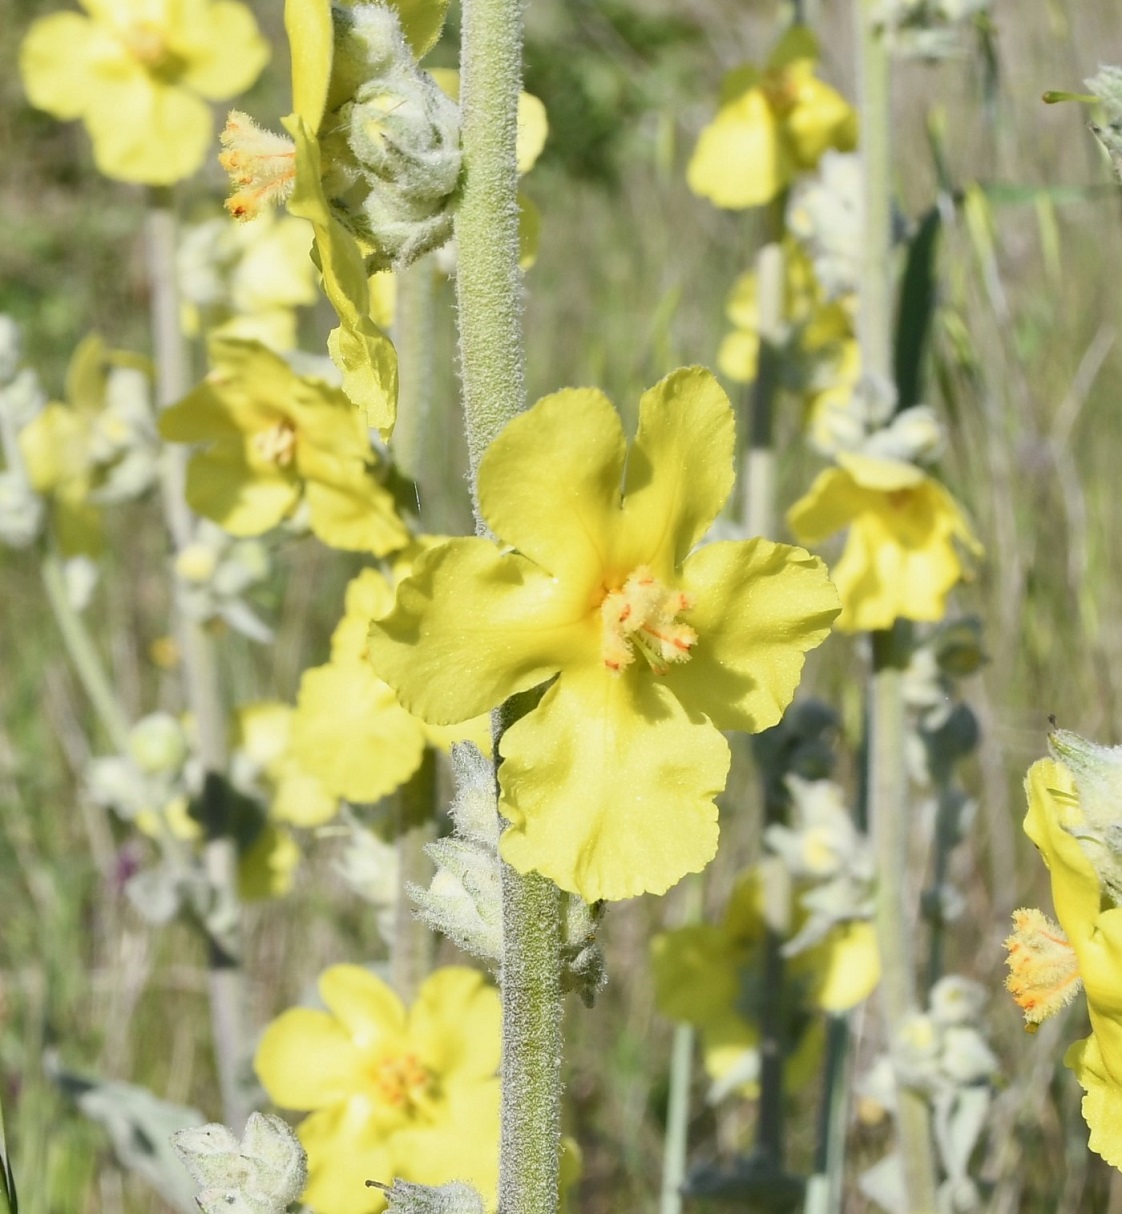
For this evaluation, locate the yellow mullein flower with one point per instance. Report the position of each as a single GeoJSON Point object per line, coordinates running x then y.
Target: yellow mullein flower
{"type": "Point", "coordinates": [349, 728]}
{"type": "Point", "coordinates": [264, 741]}
{"type": "Point", "coordinates": [139, 74]}
{"type": "Point", "coordinates": [1093, 930]}
{"type": "Point", "coordinates": [901, 558]}
{"type": "Point", "coordinates": [273, 439]}
{"type": "Point", "coordinates": [393, 1093]}
{"type": "Point", "coordinates": [701, 973]}
{"type": "Point", "coordinates": [608, 784]}
{"type": "Point", "coordinates": [771, 124]}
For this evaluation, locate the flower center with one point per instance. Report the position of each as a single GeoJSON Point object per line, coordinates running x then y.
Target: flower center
{"type": "Point", "coordinates": [277, 444]}
{"type": "Point", "coordinates": [643, 615]}
{"type": "Point", "coordinates": [144, 41]}
{"type": "Point", "coordinates": [1043, 969]}
{"type": "Point", "coordinates": [780, 90]}
{"type": "Point", "coordinates": [261, 165]}
{"type": "Point", "coordinates": [401, 1080]}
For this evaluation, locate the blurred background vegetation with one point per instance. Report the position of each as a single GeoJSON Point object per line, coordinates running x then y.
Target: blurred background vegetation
{"type": "Point", "coordinates": [631, 280]}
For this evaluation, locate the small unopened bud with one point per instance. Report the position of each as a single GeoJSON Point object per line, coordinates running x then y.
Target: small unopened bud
{"type": "Point", "coordinates": [157, 743]}
{"type": "Point", "coordinates": [404, 1197]}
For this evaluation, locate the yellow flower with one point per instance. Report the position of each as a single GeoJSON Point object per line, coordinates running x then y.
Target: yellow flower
{"type": "Point", "coordinates": [608, 784]}
{"type": "Point", "coordinates": [273, 439]}
{"type": "Point", "coordinates": [139, 73]}
{"type": "Point", "coordinates": [1093, 930]}
{"type": "Point", "coordinates": [703, 972]}
{"type": "Point", "coordinates": [349, 729]}
{"type": "Point", "coordinates": [264, 741]}
{"type": "Point", "coordinates": [901, 559]}
{"type": "Point", "coordinates": [392, 1093]}
{"type": "Point", "coordinates": [771, 124]}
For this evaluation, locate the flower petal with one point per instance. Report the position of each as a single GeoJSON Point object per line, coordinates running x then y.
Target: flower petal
{"type": "Point", "coordinates": [57, 63]}
{"type": "Point", "coordinates": [831, 503]}
{"type": "Point", "coordinates": [739, 160]}
{"type": "Point", "coordinates": [680, 467]}
{"type": "Point", "coordinates": [351, 733]}
{"type": "Point", "coordinates": [455, 1024]}
{"type": "Point", "coordinates": [353, 511]}
{"type": "Point", "coordinates": [608, 785]}
{"type": "Point", "coordinates": [367, 1008]}
{"type": "Point", "coordinates": [231, 54]}
{"type": "Point", "coordinates": [1102, 1102]}
{"type": "Point", "coordinates": [463, 1144]}
{"type": "Point", "coordinates": [346, 1147]}
{"type": "Point", "coordinates": [312, 39]}
{"type": "Point", "coordinates": [306, 1059]}
{"type": "Point", "coordinates": [240, 497]}
{"type": "Point", "coordinates": [472, 626]}
{"type": "Point", "coordinates": [758, 608]}
{"type": "Point", "coordinates": [550, 484]}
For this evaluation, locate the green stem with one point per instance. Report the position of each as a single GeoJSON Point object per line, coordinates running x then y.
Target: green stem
{"type": "Point", "coordinates": [414, 335]}
{"type": "Point", "coordinates": [488, 280]}
{"type": "Point", "coordinates": [887, 794]}
{"type": "Point", "coordinates": [759, 479]}
{"type": "Point", "coordinates": [199, 659]}
{"type": "Point", "coordinates": [492, 361]}
{"type": "Point", "coordinates": [83, 654]}
{"type": "Point", "coordinates": [825, 1188]}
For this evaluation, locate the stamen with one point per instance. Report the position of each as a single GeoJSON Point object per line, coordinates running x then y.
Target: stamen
{"type": "Point", "coordinates": [1043, 969]}
{"type": "Point", "coordinates": [401, 1079]}
{"type": "Point", "coordinates": [277, 444]}
{"type": "Point", "coordinates": [261, 165]}
{"type": "Point", "coordinates": [642, 615]}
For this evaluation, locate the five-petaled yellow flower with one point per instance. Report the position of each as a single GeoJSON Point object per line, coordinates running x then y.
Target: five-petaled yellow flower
{"type": "Point", "coordinates": [901, 558]}
{"type": "Point", "coordinates": [139, 74]}
{"type": "Point", "coordinates": [772, 123]}
{"type": "Point", "coordinates": [609, 783]}
{"type": "Point", "coordinates": [394, 1093]}
{"type": "Point", "coordinates": [1047, 963]}
{"type": "Point", "coordinates": [274, 438]}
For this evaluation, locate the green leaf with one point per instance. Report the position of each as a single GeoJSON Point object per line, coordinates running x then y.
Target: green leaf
{"type": "Point", "coordinates": [917, 305]}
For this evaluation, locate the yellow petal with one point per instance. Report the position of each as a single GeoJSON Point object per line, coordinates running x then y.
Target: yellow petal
{"type": "Point", "coordinates": [821, 118]}
{"type": "Point", "coordinates": [679, 469]}
{"type": "Point", "coordinates": [311, 40]}
{"type": "Point", "coordinates": [829, 505]}
{"type": "Point", "coordinates": [455, 1024]}
{"type": "Point", "coordinates": [351, 733]}
{"type": "Point", "coordinates": [1102, 1102]}
{"type": "Point", "coordinates": [266, 869]}
{"type": "Point", "coordinates": [758, 608]}
{"type": "Point", "coordinates": [57, 63]}
{"type": "Point", "coordinates": [738, 356]}
{"type": "Point", "coordinates": [798, 44]}
{"type": "Point", "coordinates": [421, 22]}
{"type": "Point", "coordinates": [696, 972]}
{"type": "Point", "coordinates": [472, 627]}
{"type": "Point", "coordinates": [346, 1147]}
{"type": "Point", "coordinates": [369, 597]}
{"type": "Point", "coordinates": [301, 798]}
{"type": "Point", "coordinates": [353, 511]}
{"type": "Point", "coordinates": [229, 51]}
{"type": "Point", "coordinates": [368, 1009]}
{"type": "Point", "coordinates": [306, 1059]}
{"type": "Point", "coordinates": [739, 160]}
{"type": "Point", "coordinates": [226, 487]}
{"type": "Point", "coordinates": [608, 786]}
{"type": "Point", "coordinates": [850, 966]}
{"type": "Point", "coordinates": [533, 128]}
{"type": "Point", "coordinates": [550, 484]}
{"type": "Point", "coordinates": [463, 1144]}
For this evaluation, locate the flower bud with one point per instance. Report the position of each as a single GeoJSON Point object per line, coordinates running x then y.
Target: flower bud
{"type": "Point", "coordinates": [21, 511]}
{"type": "Point", "coordinates": [158, 744]}
{"type": "Point", "coordinates": [1097, 771]}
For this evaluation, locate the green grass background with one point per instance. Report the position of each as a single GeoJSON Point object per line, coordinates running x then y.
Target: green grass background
{"type": "Point", "coordinates": [631, 280]}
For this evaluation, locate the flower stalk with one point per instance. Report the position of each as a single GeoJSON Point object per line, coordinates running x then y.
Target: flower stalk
{"type": "Point", "coordinates": [492, 359]}
{"type": "Point", "coordinates": [199, 662]}
{"type": "Point", "coordinates": [886, 783]}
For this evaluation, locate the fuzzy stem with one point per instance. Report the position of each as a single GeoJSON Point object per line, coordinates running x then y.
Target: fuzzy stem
{"type": "Point", "coordinates": [492, 363]}
{"type": "Point", "coordinates": [759, 487]}
{"type": "Point", "coordinates": [887, 796]}
{"type": "Point", "coordinates": [886, 784]}
{"type": "Point", "coordinates": [82, 651]}
{"type": "Point", "coordinates": [414, 336]}
{"type": "Point", "coordinates": [488, 280]}
{"type": "Point", "coordinates": [199, 661]}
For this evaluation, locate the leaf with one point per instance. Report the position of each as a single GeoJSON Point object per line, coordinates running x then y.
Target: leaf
{"type": "Point", "coordinates": [917, 305]}
{"type": "Point", "coordinates": [140, 1126]}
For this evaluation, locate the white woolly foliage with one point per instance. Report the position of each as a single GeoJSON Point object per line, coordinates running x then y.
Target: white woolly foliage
{"type": "Point", "coordinates": [456, 1197]}
{"type": "Point", "coordinates": [262, 1174]}
{"type": "Point", "coordinates": [391, 152]}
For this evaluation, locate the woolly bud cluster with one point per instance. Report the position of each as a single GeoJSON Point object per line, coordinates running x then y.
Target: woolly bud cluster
{"type": "Point", "coordinates": [391, 150]}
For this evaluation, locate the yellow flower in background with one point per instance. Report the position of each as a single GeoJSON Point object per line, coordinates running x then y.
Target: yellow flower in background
{"type": "Point", "coordinates": [1093, 931]}
{"type": "Point", "coordinates": [393, 1092]}
{"type": "Point", "coordinates": [771, 124]}
{"type": "Point", "coordinates": [263, 745]}
{"type": "Point", "coordinates": [708, 975]}
{"type": "Point", "coordinates": [139, 73]}
{"type": "Point", "coordinates": [608, 784]}
{"type": "Point", "coordinates": [246, 280]}
{"type": "Point", "coordinates": [275, 439]}
{"type": "Point", "coordinates": [901, 558]}
{"type": "Point", "coordinates": [349, 728]}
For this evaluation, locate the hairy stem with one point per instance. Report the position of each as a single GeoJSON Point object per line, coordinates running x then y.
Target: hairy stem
{"type": "Point", "coordinates": [492, 363]}
{"type": "Point", "coordinates": [411, 954]}
{"type": "Point", "coordinates": [199, 661]}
